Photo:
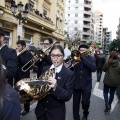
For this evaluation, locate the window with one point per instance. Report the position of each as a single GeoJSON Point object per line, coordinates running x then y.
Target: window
{"type": "Point", "coordinates": [77, 1]}
{"type": "Point", "coordinates": [8, 38]}
{"type": "Point", "coordinates": [45, 12]}
{"type": "Point", "coordinates": [76, 14]}
{"type": "Point", "coordinates": [69, 1]}
{"type": "Point", "coordinates": [68, 8]}
{"type": "Point", "coordinates": [69, 15]}
{"type": "Point", "coordinates": [76, 21]}
{"type": "Point", "coordinates": [28, 39]}
{"type": "Point", "coordinates": [75, 28]}
{"type": "Point", "coordinates": [76, 8]}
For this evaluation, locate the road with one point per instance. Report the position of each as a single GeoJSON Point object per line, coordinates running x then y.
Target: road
{"type": "Point", "coordinates": [96, 107]}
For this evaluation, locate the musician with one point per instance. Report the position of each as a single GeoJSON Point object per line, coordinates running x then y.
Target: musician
{"type": "Point", "coordinates": [9, 57]}
{"type": "Point", "coordinates": [9, 100]}
{"type": "Point", "coordinates": [23, 58]}
{"type": "Point", "coordinates": [52, 107]}
{"type": "Point", "coordinates": [47, 42]}
{"type": "Point", "coordinates": [83, 83]}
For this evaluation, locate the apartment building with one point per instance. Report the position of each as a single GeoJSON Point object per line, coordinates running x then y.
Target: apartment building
{"type": "Point", "coordinates": [79, 18]}
{"type": "Point", "coordinates": [118, 31]}
{"type": "Point", "coordinates": [45, 19]}
{"type": "Point", "coordinates": [98, 20]}
{"type": "Point", "coordinates": [107, 38]}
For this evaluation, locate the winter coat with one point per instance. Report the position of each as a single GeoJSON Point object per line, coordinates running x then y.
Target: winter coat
{"type": "Point", "coordinates": [112, 73]}
{"type": "Point", "coordinates": [100, 60]}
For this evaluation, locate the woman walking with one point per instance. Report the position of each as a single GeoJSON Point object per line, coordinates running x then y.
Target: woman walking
{"type": "Point", "coordinates": [111, 79]}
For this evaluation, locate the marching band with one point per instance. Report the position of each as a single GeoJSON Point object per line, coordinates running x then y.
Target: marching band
{"type": "Point", "coordinates": [55, 82]}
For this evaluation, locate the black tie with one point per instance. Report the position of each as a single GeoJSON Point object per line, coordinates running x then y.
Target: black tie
{"type": "Point", "coordinates": [53, 69]}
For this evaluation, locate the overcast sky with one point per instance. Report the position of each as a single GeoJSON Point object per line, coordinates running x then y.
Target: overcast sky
{"type": "Point", "coordinates": [111, 13]}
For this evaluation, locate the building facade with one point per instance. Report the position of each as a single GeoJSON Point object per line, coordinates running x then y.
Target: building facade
{"type": "Point", "coordinates": [107, 38]}
{"type": "Point", "coordinates": [79, 18]}
{"type": "Point", "coordinates": [118, 31]}
{"type": "Point", "coordinates": [98, 20]}
{"type": "Point", "coordinates": [45, 19]}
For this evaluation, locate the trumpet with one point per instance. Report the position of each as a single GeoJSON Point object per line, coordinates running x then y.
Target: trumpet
{"type": "Point", "coordinates": [40, 54]}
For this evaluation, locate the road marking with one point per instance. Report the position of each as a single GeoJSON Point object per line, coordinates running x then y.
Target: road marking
{"type": "Point", "coordinates": [32, 106]}
{"type": "Point", "coordinates": [99, 93]}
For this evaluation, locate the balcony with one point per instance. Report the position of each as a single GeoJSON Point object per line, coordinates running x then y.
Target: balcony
{"type": "Point", "coordinates": [87, 13]}
{"type": "Point", "coordinates": [86, 32]}
{"type": "Point", "coordinates": [87, 19]}
{"type": "Point", "coordinates": [41, 21]}
{"type": "Point", "coordinates": [34, 18]}
{"type": "Point", "coordinates": [86, 26]}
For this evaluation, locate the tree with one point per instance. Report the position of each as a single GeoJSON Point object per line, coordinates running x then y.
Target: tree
{"type": "Point", "coordinates": [73, 40]}
{"type": "Point", "coordinates": [114, 46]}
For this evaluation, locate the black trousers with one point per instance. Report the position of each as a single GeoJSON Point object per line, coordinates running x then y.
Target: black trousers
{"type": "Point", "coordinates": [44, 117]}
{"type": "Point", "coordinates": [27, 106]}
{"type": "Point", "coordinates": [82, 96]}
{"type": "Point", "coordinates": [99, 74]}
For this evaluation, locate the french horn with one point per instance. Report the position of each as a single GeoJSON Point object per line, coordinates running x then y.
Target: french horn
{"type": "Point", "coordinates": [34, 89]}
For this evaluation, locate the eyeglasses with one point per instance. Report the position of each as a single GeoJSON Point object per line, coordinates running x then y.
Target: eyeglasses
{"type": "Point", "coordinates": [58, 56]}
{"type": "Point", "coordinates": [46, 43]}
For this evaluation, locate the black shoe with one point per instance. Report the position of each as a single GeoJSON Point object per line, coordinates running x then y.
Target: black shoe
{"type": "Point", "coordinates": [84, 117]}
{"type": "Point", "coordinates": [24, 112]}
{"type": "Point", "coordinates": [107, 107]}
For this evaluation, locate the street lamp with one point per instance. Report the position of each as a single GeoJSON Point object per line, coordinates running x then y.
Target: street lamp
{"type": "Point", "coordinates": [22, 14]}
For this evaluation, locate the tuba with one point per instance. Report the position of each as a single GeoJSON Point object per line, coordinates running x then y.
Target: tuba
{"type": "Point", "coordinates": [34, 89]}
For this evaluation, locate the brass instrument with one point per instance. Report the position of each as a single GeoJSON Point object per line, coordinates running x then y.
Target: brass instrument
{"type": "Point", "coordinates": [76, 56]}
{"type": "Point", "coordinates": [19, 53]}
{"type": "Point", "coordinates": [29, 89]}
{"type": "Point", "coordinates": [40, 54]}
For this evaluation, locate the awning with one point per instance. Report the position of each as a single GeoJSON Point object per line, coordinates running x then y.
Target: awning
{"type": "Point", "coordinates": [98, 43]}
{"type": "Point", "coordinates": [88, 42]}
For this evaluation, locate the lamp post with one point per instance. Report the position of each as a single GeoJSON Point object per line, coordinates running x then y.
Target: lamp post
{"type": "Point", "coordinates": [21, 15]}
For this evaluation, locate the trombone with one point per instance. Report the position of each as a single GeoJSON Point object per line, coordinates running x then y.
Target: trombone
{"type": "Point", "coordinates": [19, 53]}
{"type": "Point", "coordinates": [76, 56]}
{"type": "Point", "coordinates": [40, 54]}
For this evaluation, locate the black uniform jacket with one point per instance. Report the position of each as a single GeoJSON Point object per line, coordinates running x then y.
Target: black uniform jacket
{"type": "Point", "coordinates": [45, 62]}
{"type": "Point", "coordinates": [11, 104]}
{"type": "Point", "coordinates": [83, 73]}
{"type": "Point", "coordinates": [22, 60]}
{"type": "Point", "coordinates": [53, 106]}
{"type": "Point", "coordinates": [9, 57]}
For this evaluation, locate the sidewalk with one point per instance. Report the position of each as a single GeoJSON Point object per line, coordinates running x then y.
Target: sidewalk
{"type": "Point", "coordinates": [96, 107]}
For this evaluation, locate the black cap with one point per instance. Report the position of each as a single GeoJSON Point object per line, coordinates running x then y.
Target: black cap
{"type": "Point", "coordinates": [83, 46]}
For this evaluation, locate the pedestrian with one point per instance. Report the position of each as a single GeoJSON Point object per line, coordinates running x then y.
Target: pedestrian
{"type": "Point", "coordinates": [83, 83]}
{"type": "Point", "coordinates": [52, 107]}
{"type": "Point", "coordinates": [118, 88]}
{"type": "Point", "coordinates": [10, 107]}
{"type": "Point", "coordinates": [111, 79]}
{"type": "Point", "coordinates": [100, 60]}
